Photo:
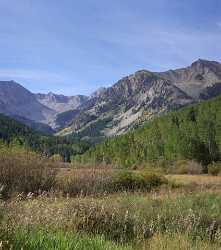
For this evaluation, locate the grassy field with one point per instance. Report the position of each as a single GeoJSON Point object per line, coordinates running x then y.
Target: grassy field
{"type": "Point", "coordinates": [202, 180]}
{"type": "Point", "coordinates": [183, 213]}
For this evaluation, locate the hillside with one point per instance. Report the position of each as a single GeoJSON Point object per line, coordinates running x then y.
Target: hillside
{"type": "Point", "coordinates": [121, 105]}
{"type": "Point", "coordinates": [15, 100]}
{"type": "Point", "coordinates": [143, 96]}
{"type": "Point", "coordinates": [193, 132]}
{"type": "Point", "coordinates": [114, 110]}
{"type": "Point", "coordinates": [12, 131]}
{"type": "Point", "coordinates": [38, 111]}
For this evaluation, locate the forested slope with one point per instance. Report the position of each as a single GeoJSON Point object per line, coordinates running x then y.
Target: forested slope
{"type": "Point", "coordinates": [12, 131]}
{"type": "Point", "coordinates": [193, 132]}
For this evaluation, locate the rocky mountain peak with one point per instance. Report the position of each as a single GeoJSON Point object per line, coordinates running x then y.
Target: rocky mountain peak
{"type": "Point", "coordinates": [113, 110]}
{"type": "Point", "coordinates": [204, 66]}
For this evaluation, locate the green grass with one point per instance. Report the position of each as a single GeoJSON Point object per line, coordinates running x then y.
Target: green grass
{"type": "Point", "coordinates": [43, 240]}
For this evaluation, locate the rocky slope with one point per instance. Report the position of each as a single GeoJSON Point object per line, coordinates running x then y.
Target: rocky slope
{"type": "Point", "coordinates": [112, 111]}
{"type": "Point", "coordinates": [141, 96]}
{"type": "Point", "coordinates": [198, 79]}
{"type": "Point", "coordinates": [61, 103]}
{"type": "Point", "coordinates": [35, 110]}
{"type": "Point", "coordinates": [119, 107]}
{"type": "Point", "coordinates": [15, 100]}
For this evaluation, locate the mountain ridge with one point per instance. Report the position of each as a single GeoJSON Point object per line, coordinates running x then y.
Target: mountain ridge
{"type": "Point", "coordinates": [197, 82]}
{"type": "Point", "coordinates": [114, 110]}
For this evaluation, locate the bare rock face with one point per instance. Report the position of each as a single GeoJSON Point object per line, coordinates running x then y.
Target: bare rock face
{"type": "Point", "coordinates": [61, 103]}
{"type": "Point", "coordinates": [143, 94]}
{"type": "Point", "coordinates": [196, 78]}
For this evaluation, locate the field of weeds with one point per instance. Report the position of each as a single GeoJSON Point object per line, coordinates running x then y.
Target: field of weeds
{"type": "Point", "coordinates": [42, 208]}
{"type": "Point", "coordinates": [168, 217]}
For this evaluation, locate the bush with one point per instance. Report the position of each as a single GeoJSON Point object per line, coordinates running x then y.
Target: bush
{"type": "Point", "coordinates": [187, 167]}
{"type": "Point", "coordinates": [100, 181]}
{"type": "Point", "coordinates": [160, 166]}
{"type": "Point", "coordinates": [132, 181]}
{"type": "Point", "coordinates": [214, 168]}
{"type": "Point", "coordinates": [56, 158]}
{"type": "Point", "coordinates": [24, 171]}
{"type": "Point", "coordinates": [85, 182]}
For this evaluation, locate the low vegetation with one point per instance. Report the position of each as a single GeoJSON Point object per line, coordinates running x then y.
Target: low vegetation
{"type": "Point", "coordinates": [41, 239]}
{"type": "Point", "coordinates": [46, 206]}
{"type": "Point", "coordinates": [214, 168]}
{"type": "Point", "coordinates": [125, 221]}
{"type": "Point", "coordinates": [186, 167]}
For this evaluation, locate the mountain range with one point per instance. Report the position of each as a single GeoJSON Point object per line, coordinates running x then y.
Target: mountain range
{"type": "Point", "coordinates": [114, 110]}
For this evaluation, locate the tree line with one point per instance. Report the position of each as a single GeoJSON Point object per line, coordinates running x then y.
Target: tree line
{"type": "Point", "coordinates": [13, 132]}
{"type": "Point", "coordinates": [193, 132]}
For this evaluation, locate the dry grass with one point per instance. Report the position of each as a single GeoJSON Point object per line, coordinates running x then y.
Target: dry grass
{"type": "Point", "coordinates": [84, 181]}
{"type": "Point", "coordinates": [203, 180]}
{"type": "Point", "coordinates": [166, 218]}
{"type": "Point", "coordinates": [123, 217]}
{"type": "Point", "coordinates": [177, 242]}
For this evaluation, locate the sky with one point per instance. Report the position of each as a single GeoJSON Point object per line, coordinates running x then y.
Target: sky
{"type": "Point", "coordinates": [74, 47]}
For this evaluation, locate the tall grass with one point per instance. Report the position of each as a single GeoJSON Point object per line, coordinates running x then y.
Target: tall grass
{"type": "Point", "coordinates": [126, 217]}
{"type": "Point", "coordinates": [85, 181]}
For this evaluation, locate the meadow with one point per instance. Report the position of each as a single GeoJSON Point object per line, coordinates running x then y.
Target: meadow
{"type": "Point", "coordinates": [44, 206]}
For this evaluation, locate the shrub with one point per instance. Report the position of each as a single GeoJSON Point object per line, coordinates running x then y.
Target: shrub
{"type": "Point", "coordinates": [24, 171]}
{"type": "Point", "coordinates": [56, 158]}
{"type": "Point", "coordinates": [132, 181]}
{"type": "Point", "coordinates": [214, 168]}
{"type": "Point", "coordinates": [85, 182]}
{"type": "Point", "coordinates": [187, 167]}
{"type": "Point", "coordinates": [99, 181]}
{"type": "Point", "coordinates": [160, 166]}
{"type": "Point", "coordinates": [153, 167]}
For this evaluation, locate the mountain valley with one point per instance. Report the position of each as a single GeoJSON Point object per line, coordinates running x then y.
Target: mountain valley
{"type": "Point", "coordinates": [114, 110]}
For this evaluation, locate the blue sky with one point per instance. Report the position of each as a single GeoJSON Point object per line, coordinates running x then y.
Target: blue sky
{"type": "Point", "coordinates": [74, 47]}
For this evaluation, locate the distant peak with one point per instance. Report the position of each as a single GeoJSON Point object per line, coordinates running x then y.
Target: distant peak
{"type": "Point", "coordinates": [201, 61]}
{"type": "Point", "coordinates": [11, 83]}
{"type": "Point", "coordinates": [144, 72]}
